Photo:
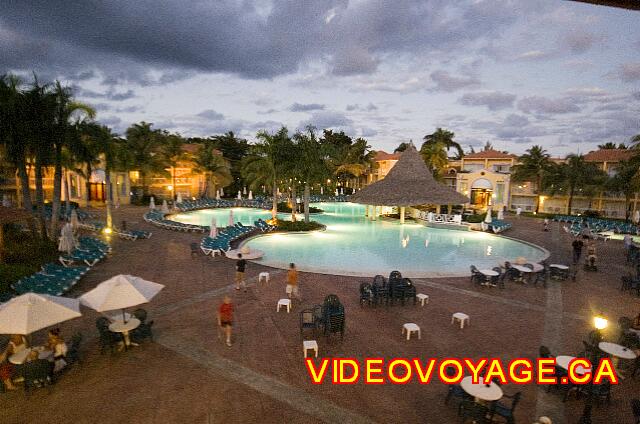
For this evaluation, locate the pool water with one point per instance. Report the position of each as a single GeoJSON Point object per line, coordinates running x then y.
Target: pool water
{"type": "Point", "coordinates": [246, 216]}
{"type": "Point", "coordinates": [354, 245]}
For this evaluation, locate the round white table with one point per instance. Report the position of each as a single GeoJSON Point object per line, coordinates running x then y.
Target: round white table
{"type": "Point", "coordinates": [564, 360]}
{"type": "Point", "coordinates": [124, 328]}
{"type": "Point", "coordinates": [617, 350]}
{"type": "Point", "coordinates": [481, 391]}
{"type": "Point", "coordinates": [21, 357]}
{"type": "Point", "coordinates": [537, 267]}
{"type": "Point", "coordinates": [488, 272]}
{"type": "Point", "coordinates": [522, 268]}
{"type": "Point", "coordinates": [559, 266]}
{"type": "Point", "coordinates": [252, 254]}
{"type": "Point", "coordinates": [118, 317]}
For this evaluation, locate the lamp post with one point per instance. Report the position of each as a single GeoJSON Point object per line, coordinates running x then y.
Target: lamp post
{"type": "Point", "coordinates": [600, 322]}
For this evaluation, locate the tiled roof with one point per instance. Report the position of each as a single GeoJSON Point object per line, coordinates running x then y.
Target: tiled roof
{"type": "Point", "coordinates": [382, 155]}
{"type": "Point", "coordinates": [608, 155]}
{"type": "Point", "coordinates": [489, 154]}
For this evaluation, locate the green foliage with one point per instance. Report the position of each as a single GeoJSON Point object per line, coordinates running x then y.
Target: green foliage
{"type": "Point", "coordinates": [233, 149]}
{"type": "Point", "coordinates": [445, 137]}
{"type": "Point", "coordinates": [299, 225]}
{"type": "Point", "coordinates": [434, 155]}
{"type": "Point", "coordinates": [535, 165]}
{"type": "Point", "coordinates": [476, 218]}
{"type": "Point", "coordinates": [285, 208]}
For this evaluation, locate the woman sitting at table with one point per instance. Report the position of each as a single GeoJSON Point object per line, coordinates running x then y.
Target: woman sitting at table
{"type": "Point", "coordinates": [17, 344]}
{"type": "Point", "coordinates": [56, 344]}
{"type": "Point", "coordinates": [6, 371]}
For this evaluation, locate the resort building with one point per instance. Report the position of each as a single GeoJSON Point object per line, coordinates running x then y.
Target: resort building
{"type": "Point", "coordinates": [485, 177]}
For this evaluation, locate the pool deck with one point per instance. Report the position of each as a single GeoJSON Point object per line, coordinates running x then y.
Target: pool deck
{"type": "Point", "coordinates": [187, 375]}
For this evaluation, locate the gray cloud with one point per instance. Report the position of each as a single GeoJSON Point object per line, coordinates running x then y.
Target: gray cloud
{"type": "Point", "coordinates": [328, 119]}
{"type": "Point", "coordinates": [493, 100]}
{"type": "Point", "coordinates": [447, 82]}
{"type": "Point", "coordinates": [211, 115]}
{"type": "Point", "coordinates": [368, 108]}
{"type": "Point", "coordinates": [629, 72]}
{"type": "Point", "coordinates": [110, 94]}
{"type": "Point", "coordinates": [579, 42]}
{"type": "Point", "coordinates": [545, 106]}
{"type": "Point", "coordinates": [298, 107]}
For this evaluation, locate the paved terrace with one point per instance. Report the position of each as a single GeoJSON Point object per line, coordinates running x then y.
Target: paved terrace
{"type": "Point", "coordinates": [187, 375]}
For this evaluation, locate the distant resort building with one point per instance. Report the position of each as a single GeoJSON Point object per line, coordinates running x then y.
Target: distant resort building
{"type": "Point", "coordinates": [485, 177]}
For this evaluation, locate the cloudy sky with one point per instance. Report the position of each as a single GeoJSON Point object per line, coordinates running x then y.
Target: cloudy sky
{"type": "Point", "coordinates": [565, 75]}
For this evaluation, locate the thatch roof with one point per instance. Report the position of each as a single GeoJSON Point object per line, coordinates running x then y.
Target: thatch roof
{"type": "Point", "coordinates": [408, 183]}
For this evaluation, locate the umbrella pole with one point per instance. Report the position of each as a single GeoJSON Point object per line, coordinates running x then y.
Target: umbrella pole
{"type": "Point", "coordinates": [124, 317]}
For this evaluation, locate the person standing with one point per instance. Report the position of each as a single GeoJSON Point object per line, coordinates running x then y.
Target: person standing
{"type": "Point", "coordinates": [518, 212]}
{"type": "Point", "coordinates": [577, 250]}
{"type": "Point", "coordinates": [546, 224]}
{"type": "Point", "coordinates": [225, 318]}
{"type": "Point", "coordinates": [292, 281]}
{"type": "Point", "coordinates": [240, 268]}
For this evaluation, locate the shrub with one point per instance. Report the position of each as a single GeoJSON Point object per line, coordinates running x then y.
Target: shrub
{"type": "Point", "coordinates": [591, 214]}
{"type": "Point", "coordinates": [476, 218]}
{"type": "Point", "coordinates": [284, 207]}
{"type": "Point", "coordinates": [299, 225]}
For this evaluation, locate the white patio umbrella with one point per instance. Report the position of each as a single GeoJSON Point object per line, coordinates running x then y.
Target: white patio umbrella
{"type": "Point", "coordinates": [487, 218]}
{"type": "Point", "coordinates": [66, 242]}
{"type": "Point", "coordinates": [321, 190]}
{"type": "Point", "coordinates": [500, 214]}
{"type": "Point", "coordinates": [239, 195]}
{"type": "Point", "coordinates": [217, 194]}
{"type": "Point", "coordinates": [337, 192]}
{"type": "Point", "coordinates": [341, 190]}
{"type": "Point", "coordinates": [179, 198]}
{"type": "Point", "coordinates": [31, 312]}
{"type": "Point", "coordinates": [165, 206]}
{"type": "Point", "coordinates": [636, 216]}
{"type": "Point", "coordinates": [73, 219]}
{"type": "Point", "coordinates": [250, 195]}
{"type": "Point", "coordinates": [213, 232]}
{"type": "Point", "coordinates": [120, 292]}
{"type": "Point", "coordinates": [231, 223]}
{"type": "Point", "coordinates": [152, 203]}
{"type": "Point", "coordinates": [244, 190]}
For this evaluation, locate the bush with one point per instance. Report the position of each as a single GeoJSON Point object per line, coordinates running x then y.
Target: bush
{"type": "Point", "coordinates": [284, 207]}
{"type": "Point", "coordinates": [23, 255]}
{"type": "Point", "coordinates": [299, 225]}
{"type": "Point", "coordinates": [10, 273]}
{"type": "Point", "coordinates": [476, 218]}
{"type": "Point", "coordinates": [591, 214]}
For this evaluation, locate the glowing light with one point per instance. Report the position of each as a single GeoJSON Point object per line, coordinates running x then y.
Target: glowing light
{"type": "Point", "coordinates": [170, 187]}
{"type": "Point", "coordinates": [600, 322]}
{"type": "Point", "coordinates": [108, 230]}
{"type": "Point", "coordinates": [404, 242]}
{"type": "Point", "coordinates": [489, 249]}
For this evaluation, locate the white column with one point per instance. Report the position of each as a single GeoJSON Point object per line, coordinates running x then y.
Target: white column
{"type": "Point", "coordinates": [402, 214]}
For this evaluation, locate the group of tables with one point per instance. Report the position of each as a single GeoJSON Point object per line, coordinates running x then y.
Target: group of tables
{"type": "Point", "coordinates": [525, 270]}
{"type": "Point", "coordinates": [492, 392]}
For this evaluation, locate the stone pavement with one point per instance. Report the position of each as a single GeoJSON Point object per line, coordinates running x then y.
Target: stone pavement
{"type": "Point", "coordinates": [189, 375]}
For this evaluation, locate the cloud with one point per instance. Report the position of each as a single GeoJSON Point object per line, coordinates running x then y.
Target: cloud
{"type": "Point", "coordinates": [356, 107]}
{"type": "Point", "coordinates": [328, 119]}
{"type": "Point", "coordinates": [110, 94]}
{"type": "Point", "coordinates": [211, 115]}
{"type": "Point", "coordinates": [579, 42]}
{"type": "Point", "coordinates": [545, 106]}
{"type": "Point", "coordinates": [353, 62]}
{"type": "Point", "coordinates": [629, 72]}
{"type": "Point", "coordinates": [298, 107]}
{"type": "Point", "coordinates": [448, 83]}
{"type": "Point", "coordinates": [533, 55]}
{"type": "Point", "coordinates": [493, 100]}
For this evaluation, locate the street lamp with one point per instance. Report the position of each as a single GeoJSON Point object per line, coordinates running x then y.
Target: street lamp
{"type": "Point", "coordinates": [600, 322]}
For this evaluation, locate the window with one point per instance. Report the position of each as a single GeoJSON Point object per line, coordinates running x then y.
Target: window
{"type": "Point", "coordinates": [471, 167]}
{"type": "Point", "coordinates": [501, 168]}
{"type": "Point", "coordinates": [463, 187]}
{"type": "Point", "coordinates": [499, 193]}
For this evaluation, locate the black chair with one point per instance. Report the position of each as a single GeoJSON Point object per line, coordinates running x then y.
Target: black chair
{"type": "Point", "coordinates": [318, 316]}
{"type": "Point", "coordinates": [144, 331]}
{"type": "Point", "coordinates": [544, 352]}
{"type": "Point", "coordinates": [109, 340]}
{"type": "Point", "coordinates": [497, 280]}
{"type": "Point", "coordinates": [471, 410]}
{"type": "Point", "coordinates": [504, 411]}
{"type": "Point", "coordinates": [395, 275]}
{"type": "Point", "coordinates": [307, 320]}
{"type": "Point", "coordinates": [380, 289]}
{"type": "Point", "coordinates": [195, 249]}
{"type": "Point", "coordinates": [140, 314]}
{"type": "Point", "coordinates": [602, 392]}
{"type": "Point", "coordinates": [476, 276]}
{"type": "Point", "coordinates": [102, 323]}
{"type": "Point", "coordinates": [73, 354]}
{"type": "Point", "coordinates": [37, 373]}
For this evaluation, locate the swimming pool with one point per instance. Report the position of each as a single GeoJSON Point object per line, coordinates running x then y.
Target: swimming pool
{"type": "Point", "coordinates": [246, 216]}
{"type": "Point", "coordinates": [354, 245]}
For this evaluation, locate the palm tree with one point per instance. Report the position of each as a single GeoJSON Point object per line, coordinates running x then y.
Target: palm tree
{"type": "Point", "coordinates": [171, 153]}
{"type": "Point", "coordinates": [64, 131]}
{"type": "Point", "coordinates": [216, 168]}
{"type": "Point", "coordinates": [608, 145]}
{"type": "Point", "coordinates": [233, 149]}
{"type": "Point", "coordinates": [311, 167]}
{"type": "Point", "coordinates": [267, 162]}
{"type": "Point", "coordinates": [635, 141]}
{"type": "Point", "coordinates": [445, 137]}
{"type": "Point", "coordinates": [435, 157]}
{"type": "Point", "coordinates": [350, 161]}
{"type": "Point", "coordinates": [574, 175]}
{"type": "Point", "coordinates": [626, 181]}
{"type": "Point", "coordinates": [143, 147]}
{"type": "Point", "coordinates": [534, 165]}
{"type": "Point", "coordinates": [402, 147]}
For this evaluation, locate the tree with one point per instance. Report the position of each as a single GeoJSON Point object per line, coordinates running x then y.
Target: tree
{"type": "Point", "coordinates": [266, 162]}
{"type": "Point", "coordinates": [143, 147]}
{"type": "Point", "coordinates": [445, 137]}
{"type": "Point", "coordinates": [310, 166]}
{"type": "Point", "coordinates": [402, 147]}
{"type": "Point", "coordinates": [573, 176]}
{"type": "Point", "coordinates": [487, 146]}
{"type": "Point", "coordinates": [171, 153]}
{"type": "Point", "coordinates": [435, 157]}
{"type": "Point", "coordinates": [64, 132]}
{"type": "Point", "coordinates": [635, 141]}
{"type": "Point", "coordinates": [626, 181]}
{"type": "Point", "coordinates": [216, 168]}
{"type": "Point", "coordinates": [233, 149]}
{"type": "Point", "coordinates": [611, 145]}
{"type": "Point", "coordinates": [348, 161]}
{"type": "Point", "coordinates": [534, 165]}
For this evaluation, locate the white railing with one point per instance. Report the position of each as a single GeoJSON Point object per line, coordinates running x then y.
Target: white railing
{"type": "Point", "coordinates": [441, 218]}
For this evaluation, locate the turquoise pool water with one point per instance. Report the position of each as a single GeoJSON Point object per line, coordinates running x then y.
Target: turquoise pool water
{"type": "Point", "coordinates": [246, 216]}
{"type": "Point", "coordinates": [354, 245]}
